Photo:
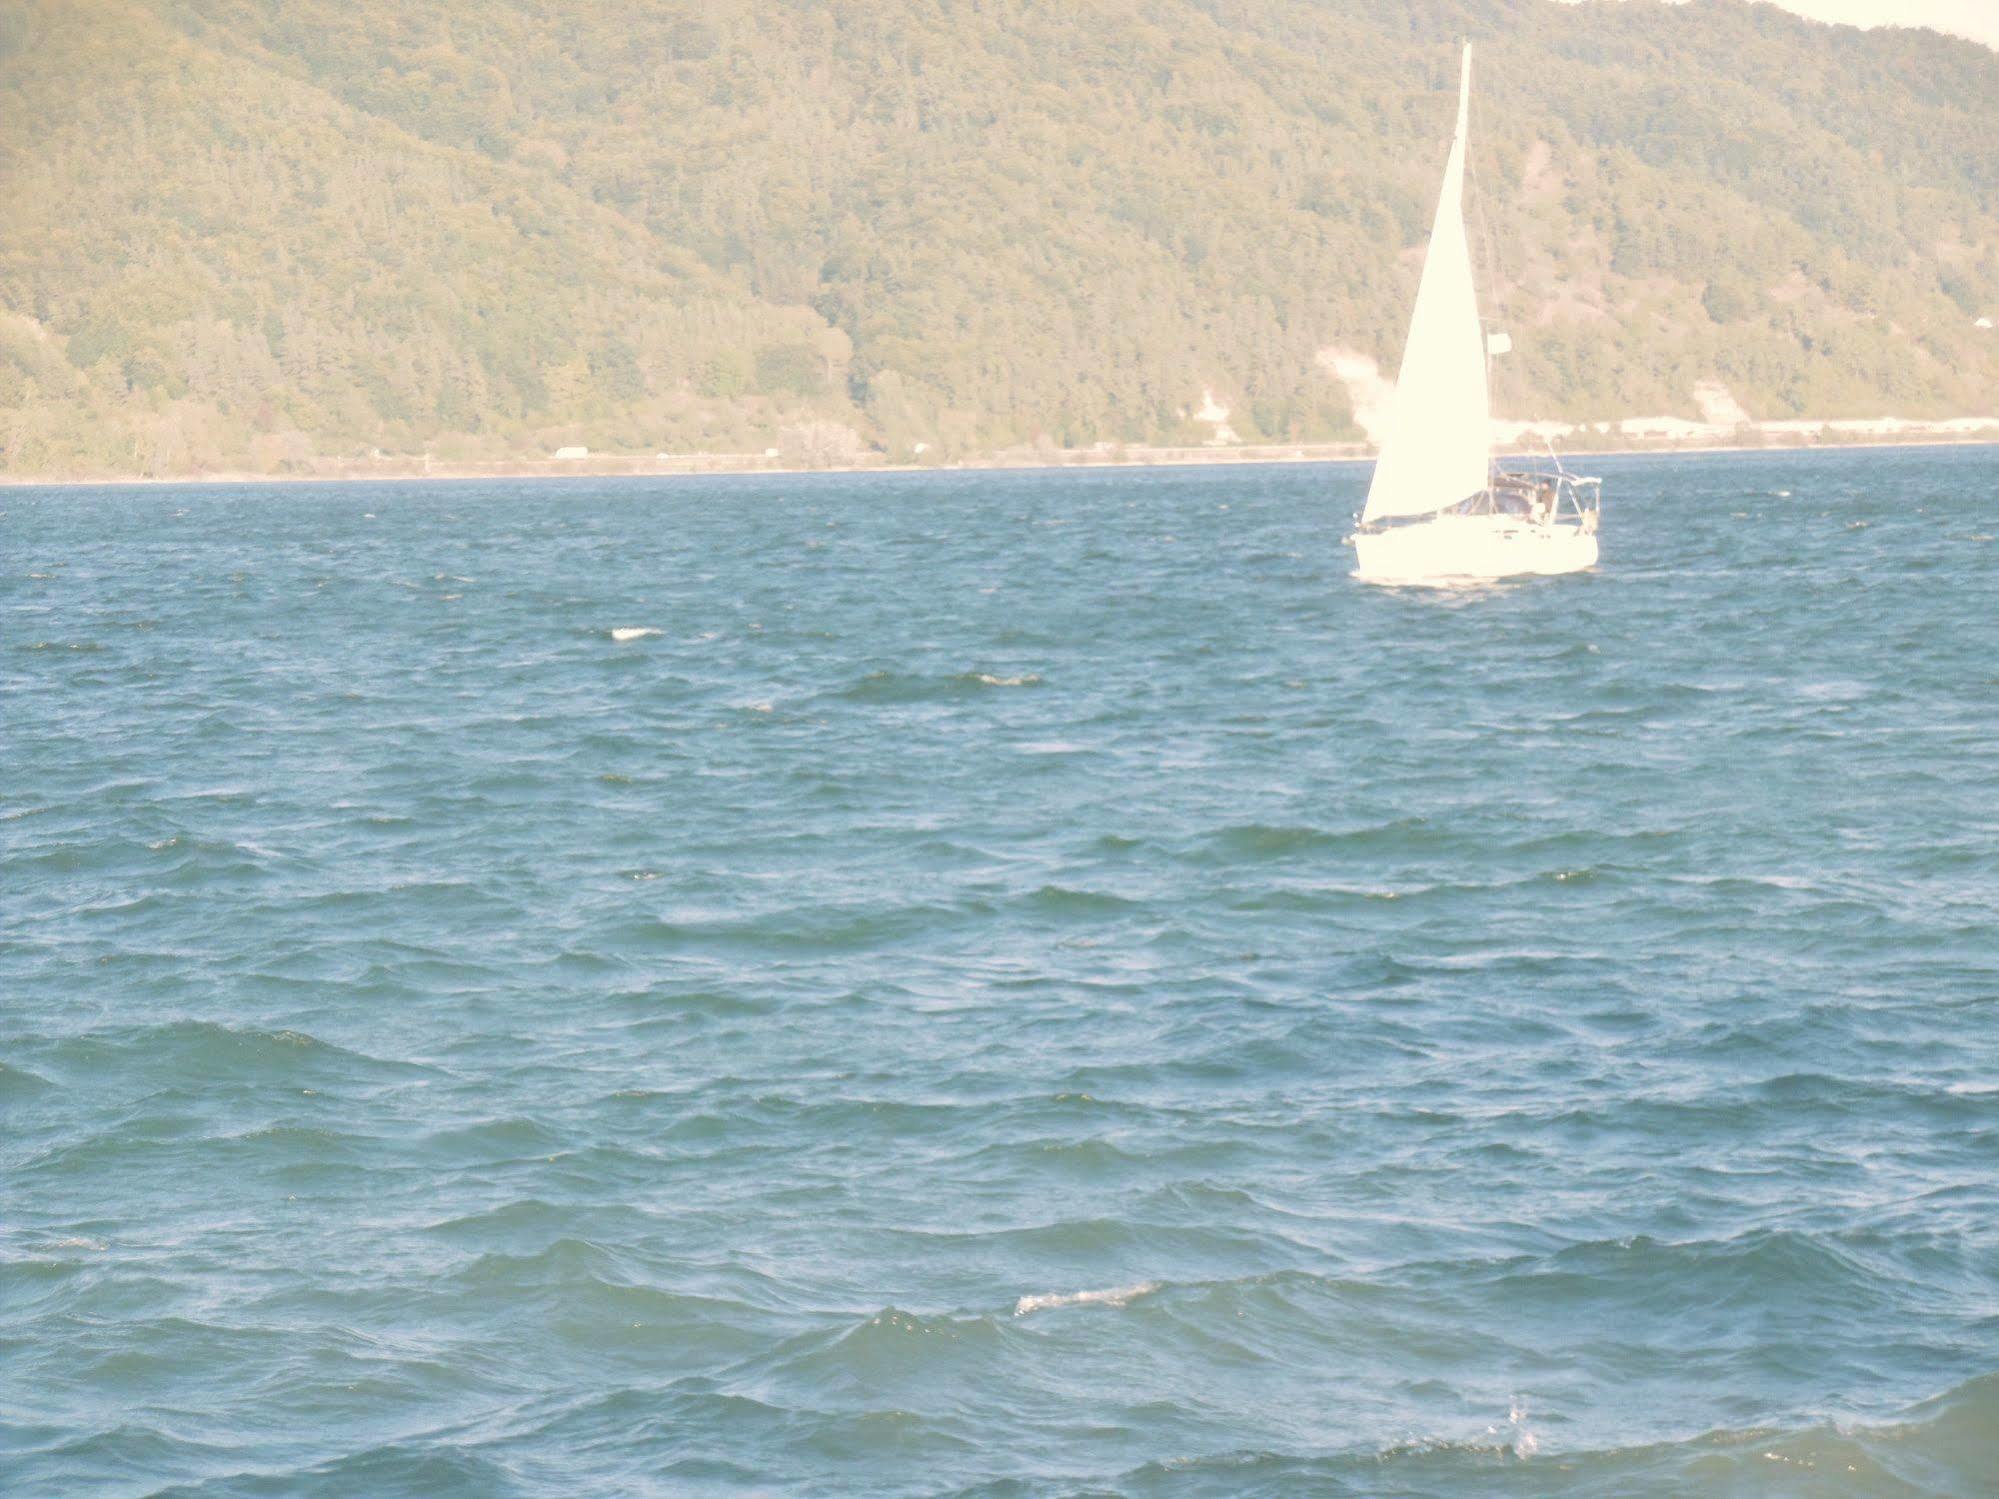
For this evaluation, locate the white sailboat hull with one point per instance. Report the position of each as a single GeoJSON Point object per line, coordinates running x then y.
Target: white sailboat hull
{"type": "Point", "coordinates": [1467, 548]}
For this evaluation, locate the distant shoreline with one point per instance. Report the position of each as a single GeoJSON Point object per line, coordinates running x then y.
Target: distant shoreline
{"type": "Point", "coordinates": [696, 465]}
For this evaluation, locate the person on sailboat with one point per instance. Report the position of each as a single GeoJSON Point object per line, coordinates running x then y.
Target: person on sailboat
{"type": "Point", "coordinates": [1543, 509]}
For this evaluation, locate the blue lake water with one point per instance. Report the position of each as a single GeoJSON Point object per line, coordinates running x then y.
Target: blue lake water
{"type": "Point", "coordinates": [1014, 985]}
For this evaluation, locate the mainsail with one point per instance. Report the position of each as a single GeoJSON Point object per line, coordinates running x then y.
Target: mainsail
{"type": "Point", "coordinates": [1438, 443]}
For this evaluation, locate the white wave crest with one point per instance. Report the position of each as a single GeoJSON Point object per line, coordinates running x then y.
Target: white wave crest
{"type": "Point", "coordinates": [632, 632]}
{"type": "Point", "coordinates": [1116, 1296]}
{"type": "Point", "coordinates": [1525, 1444]}
{"type": "Point", "coordinates": [1022, 681]}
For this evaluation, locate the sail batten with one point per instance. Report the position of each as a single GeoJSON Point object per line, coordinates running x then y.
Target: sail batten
{"type": "Point", "coordinates": [1438, 443]}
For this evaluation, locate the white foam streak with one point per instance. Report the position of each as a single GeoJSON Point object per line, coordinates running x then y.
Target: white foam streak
{"type": "Point", "coordinates": [1116, 1296]}
{"type": "Point", "coordinates": [1525, 1443]}
{"type": "Point", "coordinates": [632, 632]}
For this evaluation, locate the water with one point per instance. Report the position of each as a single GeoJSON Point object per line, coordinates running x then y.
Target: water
{"type": "Point", "coordinates": [1026, 984]}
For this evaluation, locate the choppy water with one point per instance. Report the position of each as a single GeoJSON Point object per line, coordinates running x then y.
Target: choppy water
{"type": "Point", "coordinates": [1007, 984]}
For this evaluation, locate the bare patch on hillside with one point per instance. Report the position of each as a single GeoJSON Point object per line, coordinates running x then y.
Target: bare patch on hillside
{"type": "Point", "coordinates": [1369, 392]}
{"type": "Point", "coordinates": [1537, 175]}
{"type": "Point", "coordinates": [1718, 405]}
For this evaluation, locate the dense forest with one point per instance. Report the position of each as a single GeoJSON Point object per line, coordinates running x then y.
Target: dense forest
{"type": "Point", "coordinates": [261, 234]}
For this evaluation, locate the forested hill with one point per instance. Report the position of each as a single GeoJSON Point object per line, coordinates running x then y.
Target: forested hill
{"type": "Point", "coordinates": [262, 233]}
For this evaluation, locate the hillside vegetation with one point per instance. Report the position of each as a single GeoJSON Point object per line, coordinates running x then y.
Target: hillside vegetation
{"type": "Point", "coordinates": [261, 233]}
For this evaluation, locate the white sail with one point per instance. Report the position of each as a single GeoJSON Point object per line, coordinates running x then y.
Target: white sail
{"type": "Point", "coordinates": [1438, 442]}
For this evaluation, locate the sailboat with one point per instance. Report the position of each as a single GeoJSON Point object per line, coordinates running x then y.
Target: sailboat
{"type": "Point", "coordinates": [1437, 511]}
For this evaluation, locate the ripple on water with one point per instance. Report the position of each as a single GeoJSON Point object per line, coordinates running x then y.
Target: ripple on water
{"type": "Point", "coordinates": [507, 997]}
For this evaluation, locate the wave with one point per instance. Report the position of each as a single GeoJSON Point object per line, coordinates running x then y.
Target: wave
{"type": "Point", "coordinates": [1059, 900]}
{"type": "Point", "coordinates": [831, 928]}
{"type": "Point", "coordinates": [493, 1141]}
{"type": "Point", "coordinates": [1115, 1296]}
{"type": "Point", "coordinates": [1256, 841]}
{"type": "Point", "coordinates": [190, 1051]}
{"type": "Point", "coordinates": [652, 1009]}
{"type": "Point", "coordinates": [1940, 1449]}
{"type": "Point", "coordinates": [912, 687]}
{"type": "Point", "coordinates": [18, 1083]}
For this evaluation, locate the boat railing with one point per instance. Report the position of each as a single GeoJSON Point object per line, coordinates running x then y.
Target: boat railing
{"type": "Point", "coordinates": [1517, 492]}
{"type": "Point", "coordinates": [1527, 490]}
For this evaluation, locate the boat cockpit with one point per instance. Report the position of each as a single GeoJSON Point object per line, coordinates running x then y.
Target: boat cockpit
{"type": "Point", "coordinates": [1542, 496]}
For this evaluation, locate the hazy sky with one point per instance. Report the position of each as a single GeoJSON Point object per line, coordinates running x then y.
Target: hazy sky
{"type": "Point", "coordinates": [1978, 19]}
